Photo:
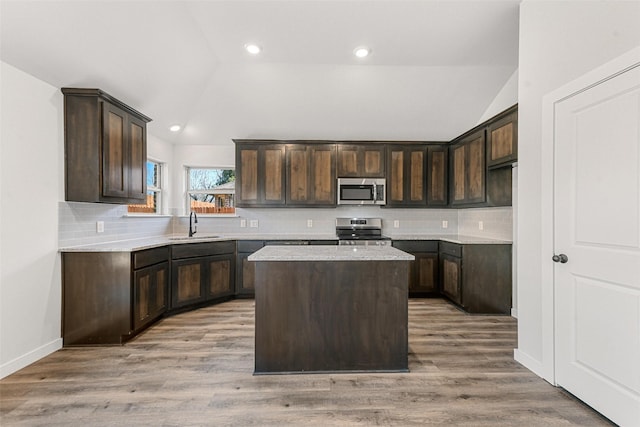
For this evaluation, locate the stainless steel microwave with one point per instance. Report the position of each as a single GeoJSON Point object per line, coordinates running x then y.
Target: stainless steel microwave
{"type": "Point", "coordinates": [361, 191]}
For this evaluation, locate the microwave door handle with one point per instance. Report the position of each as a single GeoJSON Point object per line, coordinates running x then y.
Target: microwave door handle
{"type": "Point", "coordinates": [375, 193]}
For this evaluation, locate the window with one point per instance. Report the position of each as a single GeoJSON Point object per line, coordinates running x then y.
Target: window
{"type": "Point", "coordinates": [211, 190]}
{"type": "Point", "coordinates": [154, 190]}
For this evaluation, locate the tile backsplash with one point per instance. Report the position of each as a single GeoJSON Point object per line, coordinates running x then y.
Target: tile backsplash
{"type": "Point", "coordinates": [78, 222]}
{"type": "Point", "coordinates": [497, 223]}
{"type": "Point", "coordinates": [295, 220]}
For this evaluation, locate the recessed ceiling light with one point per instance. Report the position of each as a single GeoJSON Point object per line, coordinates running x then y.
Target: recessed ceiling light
{"type": "Point", "coordinates": [361, 51]}
{"type": "Point", "coordinates": [175, 128]}
{"type": "Point", "coordinates": [253, 49]}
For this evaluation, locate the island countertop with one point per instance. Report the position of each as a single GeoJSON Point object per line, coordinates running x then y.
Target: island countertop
{"type": "Point", "coordinates": [330, 253]}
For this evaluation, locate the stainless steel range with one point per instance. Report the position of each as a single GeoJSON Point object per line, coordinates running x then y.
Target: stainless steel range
{"type": "Point", "coordinates": [360, 231]}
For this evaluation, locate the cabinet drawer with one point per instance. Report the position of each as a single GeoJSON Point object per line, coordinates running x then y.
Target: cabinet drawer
{"type": "Point", "coordinates": [150, 256]}
{"type": "Point", "coordinates": [452, 249]}
{"type": "Point", "coordinates": [323, 242]}
{"type": "Point", "coordinates": [249, 245]}
{"type": "Point", "coordinates": [416, 245]}
{"type": "Point", "coordinates": [190, 250]}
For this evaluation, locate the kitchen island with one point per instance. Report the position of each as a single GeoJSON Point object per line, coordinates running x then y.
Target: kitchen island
{"type": "Point", "coordinates": [331, 309]}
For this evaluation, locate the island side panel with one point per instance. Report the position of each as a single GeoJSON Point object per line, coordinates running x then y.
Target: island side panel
{"type": "Point", "coordinates": [331, 316]}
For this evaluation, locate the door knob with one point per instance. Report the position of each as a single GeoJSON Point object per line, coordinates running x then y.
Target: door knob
{"type": "Point", "coordinates": [562, 258]}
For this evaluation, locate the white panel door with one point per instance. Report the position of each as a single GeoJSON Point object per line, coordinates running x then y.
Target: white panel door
{"type": "Point", "coordinates": [597, 227]}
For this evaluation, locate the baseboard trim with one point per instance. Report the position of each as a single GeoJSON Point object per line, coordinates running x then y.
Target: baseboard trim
{"type": "Point", "coordinates": [27, 359]}
{"type": "Point", "coordinates": [532, 364]}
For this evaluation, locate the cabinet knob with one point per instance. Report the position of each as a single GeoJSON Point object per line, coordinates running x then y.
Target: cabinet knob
{"type": "Point", "coordinates": [562, 258]}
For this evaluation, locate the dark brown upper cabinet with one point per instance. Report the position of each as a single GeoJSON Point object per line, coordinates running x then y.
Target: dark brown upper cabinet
{"type": "Point", "coordinates": [437, 177]}
{"type": "Point", "coordinates": [311, 174]}
{"type": "Point", "coordinates": [105, 148]}
{"type": "Point", "coordinates": [406, 175]}
{"type": "Point", "coordinates": [260, 174]}
{"type": "Point", "coordinates": [361, 160]}
{"type": "Point", "coordinates": [502, 140]}
{"type": "Point", "coordinates": [468, 171]}
{"type": "Point", "coordinates": [480, 162]}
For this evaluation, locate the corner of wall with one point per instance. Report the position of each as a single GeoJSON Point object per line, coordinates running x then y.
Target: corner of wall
{"type": "Point", "coordinates": [506, 97]}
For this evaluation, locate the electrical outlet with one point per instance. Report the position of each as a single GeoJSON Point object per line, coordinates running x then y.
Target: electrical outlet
{"type": "Point", "coordinates": [243, 223]}
{"type": "Point", "coordinates": [396, 223]}
{"type": "Point", "coordinates": [100, 227]}
{"type": "Point", "coordinates": [253, 223]}
{"type": "Point", "coordinates": [445, 224]}
{"type": "Point", "coordinates": [480, 225]}
{"type": "Point", "coordinates": [309, 223]}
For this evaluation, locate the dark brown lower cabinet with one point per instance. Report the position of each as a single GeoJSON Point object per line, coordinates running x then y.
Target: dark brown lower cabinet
{"type": "Point", "coordinates": [202, 272]}
{"type": "Point", "coordinates": [150, 294]}
{"type": "Point", "coordinates": [451, 268]}
{"type": "Point", "coordinates": [245, 269]}
{"type": "Point", "coordinates": [423, 271]}
{"type": "Point", "coordinates": [107, 297]}
{"type": "Point", "coordinates": [477, 277]}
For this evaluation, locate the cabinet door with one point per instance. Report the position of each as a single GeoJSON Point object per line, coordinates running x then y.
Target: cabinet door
{"type": "Point", "coordinates": [468, 174]}
{"type": "Point", "coordinates": [115, 152]}
{"type": "Point", "coordinates": [425, 273]}
{"type": "Point", "coordinates": [437, 182]}
{"type": "Point", "coordinates": [187, 281]}
{"type": "Point", "coordinates": [451, 277]}
{"type": "Point", "coordinates": [221, 275]}
{"type": "Point", "coordinates": [311, 174]}
{"type": "Point", "coordinates": [395, 180]}
{"type": "Point", "coordinates": [502, 141]}
{"type": "Point", "coordinates": [406, 181]}
{"type": "Point", "coordinates": [360, 160]}
{"type": "Point", "coordinates": [260, 175]}
{"type": "Point", "coordinates": [150, 294]}
{"type": "Point", "coordinates": [272, 160]}
{"type": "Point", "coordinates": [246, 275]}
{"type": "Point", "coordinates": [137, 188]}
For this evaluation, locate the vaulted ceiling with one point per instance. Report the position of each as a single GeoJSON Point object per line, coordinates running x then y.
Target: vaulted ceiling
{"type": "Point", "coordinates": [435, 66]}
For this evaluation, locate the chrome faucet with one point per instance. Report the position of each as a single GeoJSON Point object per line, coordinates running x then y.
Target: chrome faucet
{"type": "Point", "coordinates": [193, 229]}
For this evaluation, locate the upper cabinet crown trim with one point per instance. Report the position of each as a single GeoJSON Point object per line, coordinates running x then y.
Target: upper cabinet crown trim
{"type": "Point", "coordinates": [102, 94]}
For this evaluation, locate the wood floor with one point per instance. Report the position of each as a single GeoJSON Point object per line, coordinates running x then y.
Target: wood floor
{"type": "Point", "coordinates": [195, 369]}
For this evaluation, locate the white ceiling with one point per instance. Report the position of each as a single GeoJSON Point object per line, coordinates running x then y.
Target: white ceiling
{"type": "Point", "coordinates": [435, 67]}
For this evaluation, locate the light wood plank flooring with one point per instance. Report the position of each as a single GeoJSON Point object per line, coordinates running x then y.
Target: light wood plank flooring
{"type": "Point", "coordinates": [195, 369]}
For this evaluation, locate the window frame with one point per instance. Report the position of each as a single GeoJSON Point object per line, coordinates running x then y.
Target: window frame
{"type": "Point", "coordinates": [159, 190]}
{"type": "Point", "coordinates": [187, 194]}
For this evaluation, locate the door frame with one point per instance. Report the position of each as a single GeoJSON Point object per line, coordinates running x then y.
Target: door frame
{"type": "Point", "coordinates": [607, 71]}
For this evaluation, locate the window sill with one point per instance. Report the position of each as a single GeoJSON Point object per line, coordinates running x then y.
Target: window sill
{"type": "Point", "coordinates": [146, 215]}
{"type": "Point", "coordinates": [204, 215]}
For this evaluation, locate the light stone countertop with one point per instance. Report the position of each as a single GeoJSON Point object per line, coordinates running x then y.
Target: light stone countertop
{"type": "Point", "coordinates": [330, 253]}
{"type": "Point", "coordinates": [452, 238]}
{"type": "Point", "coordinates": [153, 242]}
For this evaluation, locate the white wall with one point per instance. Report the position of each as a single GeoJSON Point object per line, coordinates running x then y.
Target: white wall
{"type": "Point", "coordinates": [559, 41]}
{"type": "Point", "coordinates": [507, 97]}
{"type": "Point", "coordinates": [222, 156]}
{"type": "Point", "coordinates": [30, 282]}
{"type": "Point", "coordinates": [161, 151]}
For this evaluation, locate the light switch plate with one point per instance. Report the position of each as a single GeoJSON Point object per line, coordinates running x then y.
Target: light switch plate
{"type": "Point", "coordinates": [445, 224]}
{"type": "Point", "coordinates": [309, 223]}
{"type": "Point", "coordinates": [253, 223]}
{"type": "Point", "coordinates": [480, 225]}
{"type": "Point", "coordinates": [396, 223]}
{"type": "Point", "coordinates": [100, 227]}
{"type": "Point", "coordinates": [243, 223]}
